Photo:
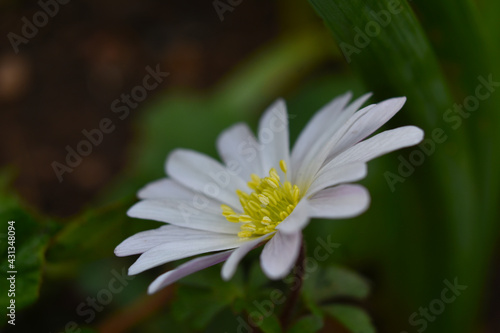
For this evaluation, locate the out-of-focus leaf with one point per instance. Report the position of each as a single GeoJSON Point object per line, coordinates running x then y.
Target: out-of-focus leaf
{"type": "Point", "coordinates": [256, 278]}
{"type": "Point", "coordinates": [225, 322]}
{"type": "Point", "coordinates": [311, 304]}
{"type": "Point", "coordinates": [354, 319]}
{"type": "Point", "coordinates": [270, 324]}
{"type": "Point", "coordinates": [383, 57]}
{"type": "Point", "coordinates": [91, 235]}
{"type": "Point", "coordinates": [307, 324]}
{"type": "Point", "coordinates": [332, 282]}
{"type": "Point", "coordinates": [468, 50]}
{"type": "Point", "coordinates": [32, 234]}
{"type": "Point", "coordinates": [196, 307]}
{"type": "Point", "coordinates": [203, 295]}
{"type": "Point", "coordinates": [397, 59]}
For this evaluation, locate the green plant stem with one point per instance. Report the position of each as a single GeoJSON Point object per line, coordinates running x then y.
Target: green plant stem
{"type": "Point", "coordinates": [298, 272]}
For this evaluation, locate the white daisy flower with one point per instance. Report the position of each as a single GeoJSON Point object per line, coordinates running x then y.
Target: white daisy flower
{"type": "Point", "coordinates": [262, 193]}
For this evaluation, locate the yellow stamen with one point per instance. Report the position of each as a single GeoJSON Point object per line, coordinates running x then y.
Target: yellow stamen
{"type": "Point", "coordinates": [273, 182]}
{"type": "Point", "coordinates": [249, 226]}
{"type": "Point", "coordinates": [283, 166]}
{"type": "Point", "coordinates": [274, 174]}
{"type": "Point", "coordinates": [245, 218]}
{"type": "Point", "coordinates": [245, 234]}
{"type": "Point", "coordinates": [270, 202]}
{"type": "Point", "coordinates": [266, 220]}
{"type": "Point", "coordinates": [233, 218]}
{"type": "Point", "coordinates": [266, 212]}
{"type": "Point", "coordinates": [263, 199]}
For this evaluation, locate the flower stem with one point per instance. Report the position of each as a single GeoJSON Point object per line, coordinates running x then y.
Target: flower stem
{"type": "Point", "coordinates": [298, 272]}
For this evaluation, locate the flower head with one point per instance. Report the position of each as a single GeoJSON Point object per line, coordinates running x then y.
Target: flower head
{"type": "Point", "coordinates": [262, 193]}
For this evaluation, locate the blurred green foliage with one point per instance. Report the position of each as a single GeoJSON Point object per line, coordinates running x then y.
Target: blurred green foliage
{"type": "Point", "coordinates": [29, 237]}
{"type": "Point", "coordinates": [459, 238]}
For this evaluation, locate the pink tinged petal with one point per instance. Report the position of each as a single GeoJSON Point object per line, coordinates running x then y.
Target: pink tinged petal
{"type": "Point", "coordinates": [273, 137]}
{"type": "Point", "coordinates": [146, 240]}
{"type": "Point", "coordinates": [380, 144]}
{"type": "Point", "coordinates": [343, 201]}
{"type": "Point", "coordinates": [187, 246]}
{"type": "Point", "coordinates": [231, 264]}
{"type": "Point", "coordinates": [186, 269]}
{"type": "Point", "coordinates": [325, 142]}
{"type": "Point", "coordinates": [331, 175]}
{"type": "Point", "coordinates": [297, 220]}
{"type": "Point", "coordinates": [239, 149]}
{"type": "Point", "coordinates": [184, 214]}
{"type": "Point", "coordinates": [367, 123]}
{"type": "Point", "coordinates": [165, 189]}
{"type": "Point", "coordinates": [279, 254]}
{"type": "Point", "coordinates": [205, 175]}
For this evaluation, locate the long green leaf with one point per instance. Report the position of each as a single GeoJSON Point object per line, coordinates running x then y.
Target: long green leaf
{"type": "Point", "coordinates": [386, 44]}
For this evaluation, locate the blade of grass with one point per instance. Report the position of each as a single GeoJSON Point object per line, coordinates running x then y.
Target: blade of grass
{"type": "Point", "coordinates": [395, 58]}
{"type": "Point", "coordinates": [466, 49]}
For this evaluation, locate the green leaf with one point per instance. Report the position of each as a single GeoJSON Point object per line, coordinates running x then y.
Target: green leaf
{"type": "Point", "coordinates": [354, 319]}
{"type": "Point", "coordinates": [256, 278]}
{"type": "Point", "coordinates": [383, 57]}
{"type": "Point", "coordinates": [92, 235]}
{"type": "Point", "coordinates": [398, 60]}
{"type": "Point", "coordinates": [307, 324]}
{"type": "Point", "coordinates": [270, 324]}
{"type": "Point", "coordinates": [31, 234]}
{"type": "Point", "coordinates": [469, 42]}
{"type": "Point", "coordinates": [203, 295]}
{"type": "Point", "coordinates": [332, 282]}
{"type": "Point", "coordinates": [197, 307]}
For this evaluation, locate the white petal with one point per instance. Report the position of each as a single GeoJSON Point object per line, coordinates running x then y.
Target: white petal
{"type": "Point", "coordinates": [339, 202]}
{"type": "Point", "coordinates": [273, 137]}
{"type": "Point", "coordinates": [239, 150]}
{"type": "Point", "coordinates": [205, 175]}
{"type": "Point", "coordinates": [366, 123]}
{"type": "Point", "coordinates": [280, 253]}
{"type": "Point", "coordinates": [325, 142]}
{"type": "Point", "coordinates": [184, 214]}
{"type": "Point", "coordinates": [327, 117]}
{"type": "Point", "coordinates": [380, 144]}
{"type": "Point", "coordinates": [297, 220]}
{"type": "Point", "coordinates": [331, 175]}
{"type": "Point", "coordinates": [189, 245]}
{"type": "Point", "coordinates": [146, 240]}
{"type": "Point", "coordinates": [165, 189]}
{"type": "Point", "coordinates": [186, 269]}
{"type": "Point", "coordinates": [230, 265]}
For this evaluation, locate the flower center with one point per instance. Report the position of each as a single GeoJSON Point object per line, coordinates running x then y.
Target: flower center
{"type": "Point", "coordinates": [267, 206]}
